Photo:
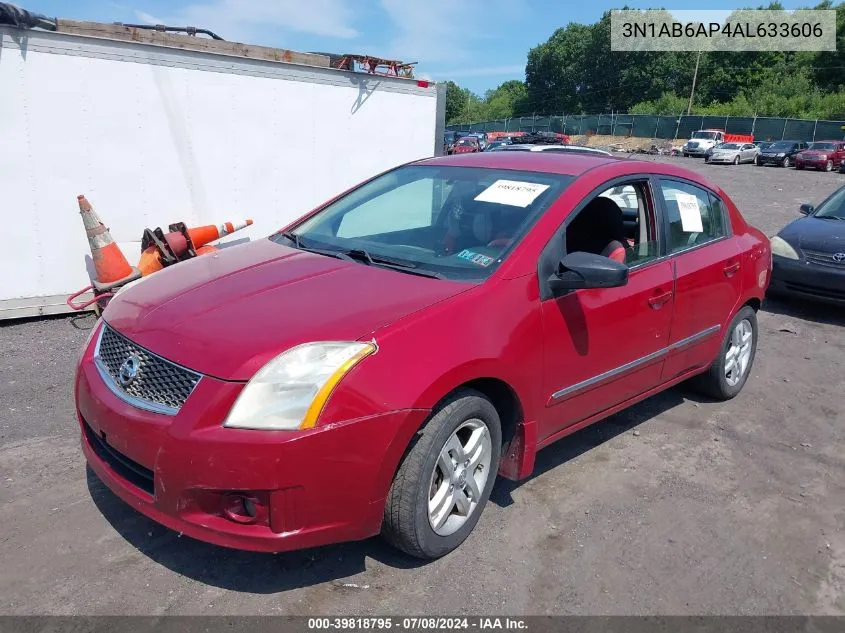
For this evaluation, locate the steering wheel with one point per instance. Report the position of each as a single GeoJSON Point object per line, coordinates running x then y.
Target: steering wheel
{"type": "Point", "coordinates": [502, 241]}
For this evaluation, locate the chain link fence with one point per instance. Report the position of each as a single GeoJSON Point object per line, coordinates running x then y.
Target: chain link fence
{"type": "Point", "coordinates": [664, 127]}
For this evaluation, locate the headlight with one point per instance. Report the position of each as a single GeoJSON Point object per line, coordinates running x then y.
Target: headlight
{"type": "Point", "coordinates": [823, 157]}
{"type": "Point", "coordinates": [782, 248]}
{"type": "Point", "coordinates": [290, 391]}
{"type": "Point", "coordinates": [781, 154]}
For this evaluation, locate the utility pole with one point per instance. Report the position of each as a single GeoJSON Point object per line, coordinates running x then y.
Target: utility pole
{"type": "Point", "coordinates": [694, 77]}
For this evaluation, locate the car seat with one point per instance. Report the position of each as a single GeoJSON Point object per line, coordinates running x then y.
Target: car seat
{"type": "Point", "coordinates": [599, 228]}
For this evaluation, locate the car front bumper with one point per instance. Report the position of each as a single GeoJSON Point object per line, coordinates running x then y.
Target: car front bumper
{"type": "Point", "coordinates": [770, 160]}
{"type": "Point", "coordinates": [723, 159]}
{"type": "Point", "coordinates": [309, 488]}
{"type": "Point", "coordinates": [817, 163]}
{"type": "Point", "coordinates": [803, 279]}
{"type": "Point", "coordinates": [696, 151]}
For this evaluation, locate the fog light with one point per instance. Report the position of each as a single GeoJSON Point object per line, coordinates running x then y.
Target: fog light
{"type": "Point", "coordinates": [241, 508]}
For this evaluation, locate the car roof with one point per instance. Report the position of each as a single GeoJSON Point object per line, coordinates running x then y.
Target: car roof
{"type": "Point", "coordinates": [574, 164]}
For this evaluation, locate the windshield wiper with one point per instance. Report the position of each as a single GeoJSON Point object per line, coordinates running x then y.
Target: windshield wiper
{"type": "Point", "coordinates": [359, 254]}
{"type": "Point", "coordinates": [293, 237]}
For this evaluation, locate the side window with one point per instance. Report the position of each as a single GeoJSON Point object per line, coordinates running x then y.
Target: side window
{"type": "Point", "coordinates": [694, 216]}
{"type": "Point", "coordinates": [618, 223]}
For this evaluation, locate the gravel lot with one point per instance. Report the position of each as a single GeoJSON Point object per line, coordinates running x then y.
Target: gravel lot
{"type": "Point", "coordinates": [676, 506]}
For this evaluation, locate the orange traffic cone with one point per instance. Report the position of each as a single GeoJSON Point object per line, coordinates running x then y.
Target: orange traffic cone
{"type": "Point", "coordinates": [150, 261]}
{"type": "Point", "coordinates": [110, 265]}
{"type": "Point", "coordinates": [202, 235]}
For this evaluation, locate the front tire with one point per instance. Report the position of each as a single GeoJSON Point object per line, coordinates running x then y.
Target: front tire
{"type": "Point", "coordinates": [828, 166]}
{"type": "Point", "coordinates": [786, 162]}
{"type": "Point", "coordinates": [736, 160]}
{"type": "Point", "coordinates": [729, 372]}
{"type": "Point", "coordinates": [445, 479]}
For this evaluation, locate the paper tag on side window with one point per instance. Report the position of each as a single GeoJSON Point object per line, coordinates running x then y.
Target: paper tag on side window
{"type": "Point", "coordinates": [512, 192]}
{"type": "Point", "coordinates": [690, 213]}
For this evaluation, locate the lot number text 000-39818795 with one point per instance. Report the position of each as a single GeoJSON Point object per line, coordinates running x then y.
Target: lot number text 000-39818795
{"type": "Point", "coordinates": [741, 30]}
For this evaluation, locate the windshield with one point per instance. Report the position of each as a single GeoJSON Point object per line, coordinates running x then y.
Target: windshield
{"type": "Point", "coordinates": [825, 146]}
{"type": "Point", "coordinates": [833, 207]}
{"type": "Point", "coordinates": [708, 135]}
{"type": "Point", "coordinates": [454, 222]}
{"type": "Point", "coordinates": [729, 146]}
{"type": "Point", "coordinates": [468, 140]}
{"type": "Point", "coordinates": [781, 145]}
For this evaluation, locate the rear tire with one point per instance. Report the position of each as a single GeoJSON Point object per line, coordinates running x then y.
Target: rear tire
{"type": "Point", "coordinates": [729, 372]}
{"type": "Point", "coordinates": [437, 468]}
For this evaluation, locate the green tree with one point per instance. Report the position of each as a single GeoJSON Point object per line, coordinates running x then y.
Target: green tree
{"type": "Point", "coordinates": [455, 100]}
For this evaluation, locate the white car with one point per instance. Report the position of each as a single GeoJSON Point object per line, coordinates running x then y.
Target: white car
{"type": "Point", "coordinates": [578, 149]}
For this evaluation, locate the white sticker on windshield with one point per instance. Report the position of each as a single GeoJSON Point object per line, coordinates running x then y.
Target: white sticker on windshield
{"type": "Point", "coordinates": [690, 213]}
{"type": "Point", "coordinates": [512, 192]}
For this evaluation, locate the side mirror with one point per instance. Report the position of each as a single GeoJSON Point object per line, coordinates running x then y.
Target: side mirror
{"type": "Point", "coordinates": [807, 208]}
{"type": "Point", "coordinates": [586, 270]}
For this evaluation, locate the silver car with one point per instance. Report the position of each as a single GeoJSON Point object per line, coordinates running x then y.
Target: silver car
{"type": "Point", "coordinates": [735, 153]}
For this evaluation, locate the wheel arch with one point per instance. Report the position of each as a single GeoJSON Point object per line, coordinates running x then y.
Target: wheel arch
{"type": "Point", "coordinates": [501, 394]}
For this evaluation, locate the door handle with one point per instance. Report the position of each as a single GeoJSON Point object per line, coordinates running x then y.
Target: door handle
{"type": "Point", "coordinates": [731, 269]}
{"type": "Point", "coordinates": [657, 301]}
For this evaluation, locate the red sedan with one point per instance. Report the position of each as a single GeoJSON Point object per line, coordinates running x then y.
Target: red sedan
{"type": "Point", "coordinates": [467, 145]}
{"type": "Point", "coordinates": [373, 367]}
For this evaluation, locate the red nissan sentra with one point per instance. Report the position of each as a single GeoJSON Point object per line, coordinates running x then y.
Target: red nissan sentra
{"type": "Point", "coordinates": [374, 366]}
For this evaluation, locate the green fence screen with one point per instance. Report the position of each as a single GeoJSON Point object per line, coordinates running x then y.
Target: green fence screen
{"type": "Point", "coordinates": [664, 127]}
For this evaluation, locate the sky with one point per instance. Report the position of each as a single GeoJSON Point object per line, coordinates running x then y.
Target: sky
{"type": "Point", "coordinates": [476, 43]}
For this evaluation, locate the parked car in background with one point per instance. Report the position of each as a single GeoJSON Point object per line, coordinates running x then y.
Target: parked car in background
{"type": "Point", "coordinates": [734, 153]}
{"type": "Point", "coordinates": [453, 316]}
{"type": "Point", "coordinates": [781, 153]}
{"type": "Point", "coordinates": [808, 254]}
{"type": "Point", "coordinates": [494, 146]}
{"type": "Point", "coordinates": [467, 145]}
{"type": "Point", "coordinates": [823, 155]}
{"type": "Point", "coordinates": [567, 149]}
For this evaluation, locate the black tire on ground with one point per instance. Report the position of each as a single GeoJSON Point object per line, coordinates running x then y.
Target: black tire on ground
{"type": "Point", "coordinates": [828, 166]}
{"type": "Point", "coordinates": [406, 524]}
{"type": "Point", "coordinates": [713, 382]}
{"type": "Point", "coordinates": [736, 160]}
{"type": "Point", "coordinates": [757, 161]}
{"type": "Point", "coordinates": [786, 162]}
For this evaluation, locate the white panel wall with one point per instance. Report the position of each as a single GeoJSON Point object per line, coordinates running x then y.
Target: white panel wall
{"type": "Point", "coordinates": [153, 144]}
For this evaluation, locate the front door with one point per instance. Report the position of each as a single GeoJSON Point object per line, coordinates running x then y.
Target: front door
{"type": "Point", "coordinates": [605, 346]}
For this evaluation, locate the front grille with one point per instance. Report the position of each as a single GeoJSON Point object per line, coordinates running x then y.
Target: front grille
{"type": "Point", "coordinates": [137, 475]}
{"type": "Point", "coordinates": [158, 384]}
{"type": "Point", "coordinates": [823, 259]}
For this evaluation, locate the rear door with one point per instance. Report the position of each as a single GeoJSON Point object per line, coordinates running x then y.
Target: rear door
{"type": "Point", "coordinates": [706, 261]}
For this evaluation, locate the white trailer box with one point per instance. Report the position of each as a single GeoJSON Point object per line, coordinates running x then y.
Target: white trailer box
{"type": "Point", "coordinates": [154, 135]}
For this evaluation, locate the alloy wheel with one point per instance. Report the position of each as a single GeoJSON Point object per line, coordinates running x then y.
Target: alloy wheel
{"type": "Point", "coordinates": [738, 356]}
{"type": "Point", "coordinates": [459, 477]}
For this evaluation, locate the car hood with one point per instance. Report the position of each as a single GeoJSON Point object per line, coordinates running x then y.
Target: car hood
{"type": "Point", "coordinates": [825, 236]}
{"type": "Point", "coordinates": [726, 152]}
{"type": "Point", "coordinates": [227, 314]}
